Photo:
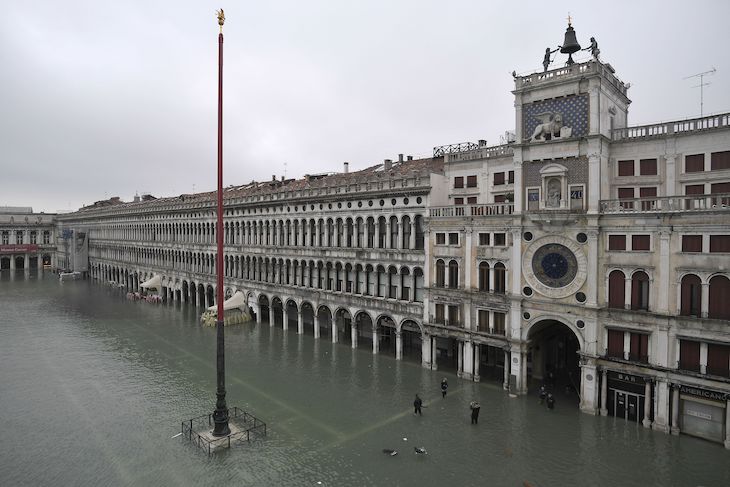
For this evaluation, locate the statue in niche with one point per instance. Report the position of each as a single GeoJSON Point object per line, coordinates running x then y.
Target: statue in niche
{"type": "Point", "coordinates": [553, 193]}
{"type": "Point", "coordinates": [551, 123]}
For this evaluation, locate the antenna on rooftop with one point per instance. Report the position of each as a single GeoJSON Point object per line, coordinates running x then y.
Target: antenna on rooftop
{"type": "Point", "coordinates": [701, 86]}
{"type": "Point", "coordinates": [285, 170]}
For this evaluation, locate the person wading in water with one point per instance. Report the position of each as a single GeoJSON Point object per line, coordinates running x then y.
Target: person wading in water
{"type": "Point", "coordinates": [417, 403]}
{"type": "Point", "coordinates": [444, 387]}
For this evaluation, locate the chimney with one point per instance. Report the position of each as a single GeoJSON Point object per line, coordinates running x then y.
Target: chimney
{"type": "Point", "coordinates": [400, 157]}
{"type": "Point", "coordinates": [136, 198]}
{"type": "Point", "coordinates": [410, 158]}
{"type": "Point", "coordinates": [387, 164]}
{"type": "Point", "coordinates": [346, 167]}
{"type": "Point", "coordinates": [482, 143]}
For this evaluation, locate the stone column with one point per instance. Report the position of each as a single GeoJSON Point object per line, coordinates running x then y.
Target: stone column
{"type": "Point", "coordinates": [705, 299]}
{"type": "Point", "coordinates": [491, 281]}
{"type": "Point", "coordinates": [593, 274]}
{"type": "Point", "coordinates": [376, 240]}
{"type": "Point", "coordinates": [727, 424]}
{"type": "Point", "coordinates": [661, 406]}
{"type": "Point", "coordinates": [425, 351]}
{"type": "Point", "coordinates": [675, 410]}
{"type": "Point", "coordinates": [604, 392]}
{"type": "Point", "coordinates": [670, 174]}
{"type": "Point", "coordinates": [300, 322]}
{"type": "Point", "coordinates": [703, 358]}
{"type": "Point", "coordinates": [376, 344]}
{"type": "Point", "coordinates": [434, 354]}
{"type": "Point", "coordinates": [507, 367]}
{"type": "Point", "coordinates": [353, 335]}
{"type": "Point", "coordinates": [259, 319]}
{"type": "Point", "coordinates": [467, 360]}
{"type": "Point", "coordinates": [334, 330]}
{"type": "Point", "coordinates": [627, 292]}
{"type": "Point", "coordinates": [315, 318]}
{"type": "Point", "coordinates": [460, 358]}
{"type": "Point", "coordinates": [412, 239]}
{"type": "Point", "coordinates": [647, 404]}
{"type": "Point", "coordinates": [387, 234]}
{"type": "Point", "coordinates": [12, 262]}
{"type": "Point", "coordinates": [398, 345]}
{"type": "Point", "coordinates": [594, 183]}
{"type": "Point", "coordinates": [662, 301]}
{"type": "Point", "coordinates": [588, 383]}
{"type": "Point", "coordinates": [272, 320]}
{"type": "Point", "coordinates": [477, 359]}
{"type": "Point", "coordinates": [285, 318]}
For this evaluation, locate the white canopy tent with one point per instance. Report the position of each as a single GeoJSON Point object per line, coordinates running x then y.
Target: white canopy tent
{"type": "Point", "coordinates": [237, 301]}
{"type": "Point", "coordinates": [153, 283]}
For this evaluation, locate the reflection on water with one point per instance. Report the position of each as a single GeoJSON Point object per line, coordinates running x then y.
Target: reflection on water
{"type": "Point", "coordinates": [93, 386]}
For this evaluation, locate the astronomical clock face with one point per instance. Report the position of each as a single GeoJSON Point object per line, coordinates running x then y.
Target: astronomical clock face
{"type": "Point", "coordinates": [554, 265]}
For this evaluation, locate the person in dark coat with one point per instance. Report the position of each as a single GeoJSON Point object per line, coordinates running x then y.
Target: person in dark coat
{"type": "Point", "coordinates": [417, 403]}
{"type": "Point", "coordinates": [543, 394]}
{"type": "Point", "coordinates": [550, 401]}
{"type": "Point", "coordinates": [475, 407]}
{"type": "Point", "coordinates": [444, 387]}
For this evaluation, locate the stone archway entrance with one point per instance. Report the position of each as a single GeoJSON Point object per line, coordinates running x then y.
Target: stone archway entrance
{"type": "Point", "coordinates": [553, 359]}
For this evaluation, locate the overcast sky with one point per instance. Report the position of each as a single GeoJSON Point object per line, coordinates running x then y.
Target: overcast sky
{"type": "Point", "coordinates": [102, 98]}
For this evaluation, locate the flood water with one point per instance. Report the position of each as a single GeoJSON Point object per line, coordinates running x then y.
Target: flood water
{"type": "Point", "coordinates": [93, 387]}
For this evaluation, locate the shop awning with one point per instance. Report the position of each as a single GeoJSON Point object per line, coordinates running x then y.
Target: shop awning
{"type": "Point", "coordinates": [237, 301]}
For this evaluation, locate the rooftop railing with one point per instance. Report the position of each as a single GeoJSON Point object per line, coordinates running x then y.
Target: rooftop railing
{"type": "Point", "coordinates": [672, 128]}
{"type": "Point", "coordinates": [496, 209]}
{"type": "Point", "coordinates": [665, 204]}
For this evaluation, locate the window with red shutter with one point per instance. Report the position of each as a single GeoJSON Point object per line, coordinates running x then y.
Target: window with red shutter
{"type": "Point", "coordinates": [471, 181]}
{"type": "Point", "coordinates": [499, 198]}
{"type": "Point", "coordinates": [719, 243]}
{"type": "Point", "coordinates": [719, 305]}
{"type": "Point", "coordinates": [691, 243]}
{"type": "Point", "coordinates": [459, 182]}
{"type": "Point", "coordinates": [691, 296]}
{"type": "Point", "coordinates": [625, 193]}
{"type": "Point", "coordinates": [720, 161]}
{"type": "Point", "coordinates": [615, 344]}
{"type": "Point", "coordinates": [694, 163]}
{"type": "Point", "coordinates": [647, 192]}
{"type": "Point", "coordinates": [472, 200]}
{"type": "Point", "coordinates": [511, 177]}
{"type": "Point", "coordinates": [639, 347]}
{"type": "Point", "coordinates": [718, 360]}
{"type": "Point", "coordinates": [616, 290]}
{"type": "Point", "coordinates": [498, 178]}
{"type": "Point", "coordinates": [458, 201]}
{"type": "Point", "coordinates": [617, 242]}
{"type": "Point", "coordinates": [647, 167]}
{"type": "Point", "coordinates": [625, 168]}
{"type": "Point", "coordinates": [689, 355]}
{"type": "Point", "coordinates": [640, 242]}
{"type": "Point", "coordinates": [694, 189]}
{"type": "Point", "coordinates": [640, 291]}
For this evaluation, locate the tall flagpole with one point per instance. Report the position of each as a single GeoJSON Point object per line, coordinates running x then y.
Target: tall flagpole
{"type": "Point", "coordinates": [220, 415]}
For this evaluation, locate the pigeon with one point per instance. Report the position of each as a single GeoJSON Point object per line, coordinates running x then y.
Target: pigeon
{"type": "Point", "coordinates": [390, 452]}
{"type": "Point", "coordinates": [420, 450]}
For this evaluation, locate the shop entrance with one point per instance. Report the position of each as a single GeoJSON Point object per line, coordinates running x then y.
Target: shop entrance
{"type": "Point", "coordinates": [627, 405]}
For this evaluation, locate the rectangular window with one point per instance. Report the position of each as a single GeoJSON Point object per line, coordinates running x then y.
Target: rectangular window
{"type": "Point", "coordinates": [694, 163]}
{"type": "Point", "coordinates": [640, 242]}
{"type": "Point", "coordinates": [648, 192]}
{"type": "Point", "coordinates": [440, 239]}
{"type": "Point", "coordinates": [720, 188]}
{"type": "Point", "coordinates": [626, 168]}
{"type": "Point", "coordinates": [639, 349]}
{"type": "Point", "coordinates": [617, 242]}
{"type": "Point", "coordinates": [459, 182]}
{"type": "Point", "coordinates": [691, 243]}
{"type": "Point", "coordinates": [500, 239]}
{"type": "Point", "coordinates": [692, 189]}
{"type": "Point", "coordinates": [533, 199]}
{"type": "Point", "coordinates": [689, 355]}
{"type": "Point", "coordinates": [483, 324]}
{"type": "Point", "coordinates": [34, 237]}
{"type": "Point", "coordinates": [647, 167]}
{"type": "Point", "coordinates": [615, 346]}
{"type": "Point", "coordinates": [499, 321]}
{"type": "Point", "coordinates": [718, 360]}
{"type": "Point", "coordinates": [46, 237]}
{"type": "Point", "coordinates": [458, 201]}
{"type": "Point", "coordinates": [454, 315]}
{"type": "Point", "coordinates": [440, 316]}
{"type": "Point", "coordinates": [483, 239]}
{"type": "Point", "coordinates": [471, 181]}
{"type": "Point", "coordinates": [576, 197]}
{"type": "Point", "coordinates": [472, 200]}
{"type": "Point", "coordinates": [511, 177]}
{"type": "Point", "coordinates": [720, 161]}
{"type": "Point", "coordinates": [453, 238]}
{"type": "Point", "coordinates": [719, 243]}
{"type": "Point", "coordinates": [6, 238]}
{"type": "Point", "coordinates": [498, 178]}
{"type": "Point", "coordinates": [500, 198]}
{"type": "Point", "coordinates": [19, 237]}
{"type": "Point", "coordinates": [626, 193]}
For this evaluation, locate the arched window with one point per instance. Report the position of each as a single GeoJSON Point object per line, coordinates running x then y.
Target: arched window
{"type": "Point", "coordinates": [691, 296]}
{"type": "Point", "coordinates": [719, 306]}
{"type": "Point", "coordinates": [484, 276]}
{"type": "Point", "coordinates": [500, 278]}
{"type": "Point", "coordinates": [453, 274]}
{"type": "Point", "coordinates": [616, 290]}
{"type": "Point", "coordinates": [640, 291]}
{"type": "Point", "coordinates": [440, 273]}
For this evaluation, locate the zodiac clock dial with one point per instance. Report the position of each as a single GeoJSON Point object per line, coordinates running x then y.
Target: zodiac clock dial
{"type": "Point", "coordinates": [554, 265]}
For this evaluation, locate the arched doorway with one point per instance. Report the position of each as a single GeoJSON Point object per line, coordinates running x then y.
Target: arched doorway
{"type": "Point", "coordinates": [211, 296]}
{"type": "Point", "coordinates": [292, 314]}
{"type": "Point", "coordinates": [324, 321]}
{"type": "Point", "coordinates": [264, 309]}
{"type": "Point", "coordinates": [364, 326]}
{"type": "Point", "coordinates": [412, 340]}
{"type": "Point", "coordinates": [277, 308]}
{"type": "Point", "coordinates": [386, 335]}
{"type": "Point", "coordinates": [307, 319]}
{"type": "Point", "coordinates": [553, 358]}
{"type": "Point", "coordinates": [343, 320]}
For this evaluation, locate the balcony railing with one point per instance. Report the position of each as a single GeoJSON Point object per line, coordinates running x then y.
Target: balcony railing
{"type": "Point", "coordinates": [665, 204]}
{"type": "Point", "coordinates": [495, 209]}
{"type": "Point", "coordinates": [672, 128]}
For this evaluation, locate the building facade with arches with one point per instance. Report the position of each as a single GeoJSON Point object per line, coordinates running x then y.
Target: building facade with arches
{"type": "Point", "coordinates": [595, 260]}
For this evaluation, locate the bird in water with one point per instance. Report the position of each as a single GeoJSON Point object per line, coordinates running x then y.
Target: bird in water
{"type": "Point", "coordinates": [420, 450]}
{"type": "Point", "coordinates": [390, 452]}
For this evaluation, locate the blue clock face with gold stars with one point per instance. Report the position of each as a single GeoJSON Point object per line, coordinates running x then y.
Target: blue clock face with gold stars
{"type": "Point", "coordinates": [554, 265]}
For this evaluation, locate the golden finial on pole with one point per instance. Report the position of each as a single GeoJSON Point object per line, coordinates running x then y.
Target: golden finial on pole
{"type": "Point", "coordinates": [569, 18]}
{"type": "Point", "coordinates": [221, 18]}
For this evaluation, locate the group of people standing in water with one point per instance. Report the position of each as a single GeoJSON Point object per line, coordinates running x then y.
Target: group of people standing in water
{"type": "Point", "coordinates": [474, 406]}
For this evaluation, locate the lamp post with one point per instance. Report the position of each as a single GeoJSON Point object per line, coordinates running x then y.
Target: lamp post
{"type": "Point", "coordinates": [220, 415]}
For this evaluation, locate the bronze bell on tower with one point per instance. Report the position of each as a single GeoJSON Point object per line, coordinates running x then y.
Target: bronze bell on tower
{"type": "Point", "coordinates": [570, 44]}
